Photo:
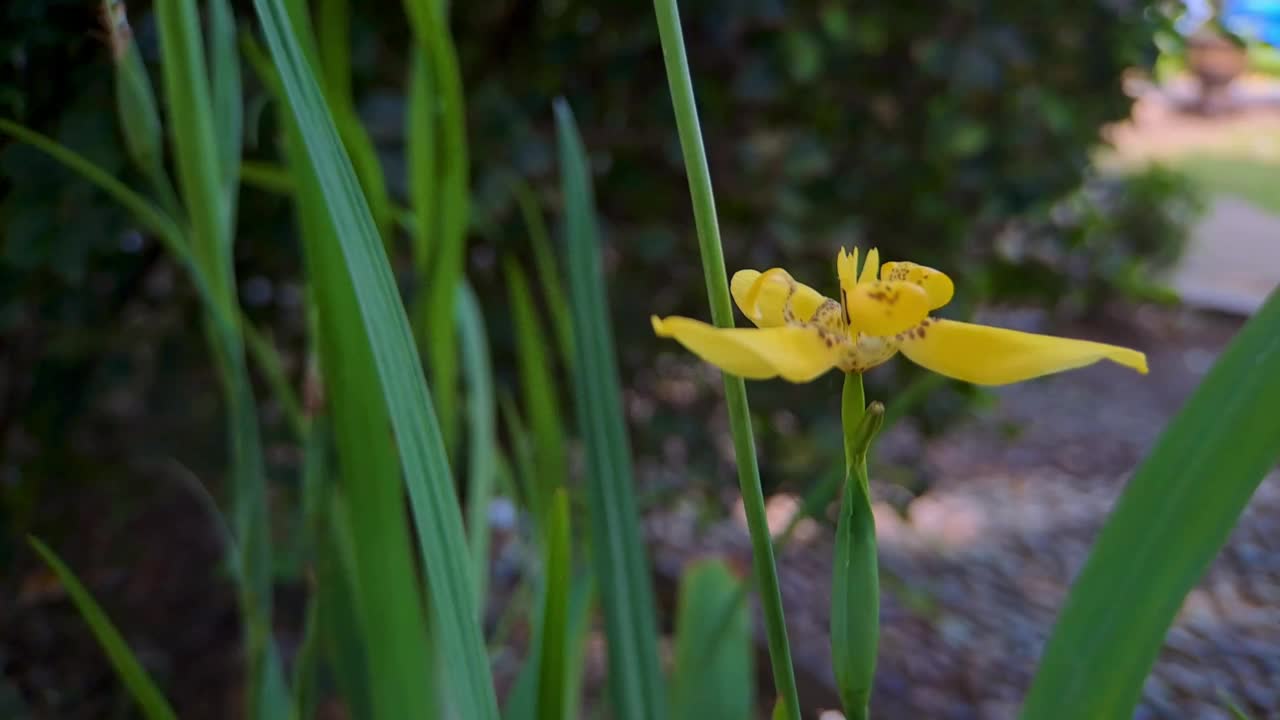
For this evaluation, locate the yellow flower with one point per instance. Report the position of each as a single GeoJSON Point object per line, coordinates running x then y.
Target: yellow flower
{"type": "Point", "coordinates": [801, 334]}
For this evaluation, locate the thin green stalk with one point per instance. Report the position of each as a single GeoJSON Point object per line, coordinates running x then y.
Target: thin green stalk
{"type": "Point", "coordinates": [735, 391]}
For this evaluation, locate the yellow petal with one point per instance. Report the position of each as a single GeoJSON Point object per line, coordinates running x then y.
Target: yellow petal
{"type": "Point", "coordinates": [986, 355]}
{"type": "Point", "coordinates": [763, 296]}
{"type": "Point", "coordinates": [847, 268]}
{"type": "Point", "coordinates": [798, 354]}
{"type": "Point", "coordinates": [936, 284]}
{"type": "Point", "coordinates": [886, 308]}
{"type": "Point", "coordinates": [870, 266]}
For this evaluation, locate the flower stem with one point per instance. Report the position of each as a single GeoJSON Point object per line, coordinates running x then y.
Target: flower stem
{"type": "Point", "coordinates": [713, 269]}
{"type": "Point", "coordinates": [855, 583]}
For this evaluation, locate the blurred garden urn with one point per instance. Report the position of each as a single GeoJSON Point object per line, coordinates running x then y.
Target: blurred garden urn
{"type": "Point", "coordinates": [1216, 60]}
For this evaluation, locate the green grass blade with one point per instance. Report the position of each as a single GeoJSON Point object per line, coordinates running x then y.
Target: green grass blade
{"type": "Point", "coordinates": [1166, 527]}
{"type": "Point", "coordinates": [420, 149]}
{"type": "Point", "coordinates": [306, 665]}
{"type": "Point", "coordinates": [268, 177]}
{"type": "Point", "coordinates": [332, 59]}
{"type": "Point", "coordinates": [522, 701]}
{"type": "Point", "coordinates": [544, 259]}
{"type": "Point", "coordinates": [450, 185]}
{"type": "Point", "coordinates": [382, 365]}
{"type": "Point", "coordinates": [581, 599]}
{"type": "Point", "coordinates": [267, 359]}
{"type": "Point", "coordinates": [147, 214]}
{"type": "Point", "coordinates": [228, 105]}
{"type": "Point", "coordinates": [713, 675]}
{"type": "Point", "coordinates": [316, 491]}
{"type": "Point", "coordinates": [143, 689]}
{"type": "Point", "coordinates": [333, 35]}
{"type": "Point", "coordinates": [538, 390]}
{"type": "Point", "coordinates": [390, 606]}
{"type": "Point", "coordinates": [621, 566]}
{"type": "Point", "coordinates": [136, 108]}
{"type": "Point", "coordinates": [558, 566]}
{"type": "Point", "coordinates": [481, 442]}
{"type": "Point", "coordinates": [195, 143]}
{"type": "Point", "coordinates": [524, 468]}
{"type": "Point", "coordinates": [735, 391]}
{"type": "Point", "coordinates": [341, 623]}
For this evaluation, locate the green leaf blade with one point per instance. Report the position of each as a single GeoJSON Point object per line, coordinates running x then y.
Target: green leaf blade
{"type": "Point", "coordinates": [714, 674]}
{"type": "Point", "coordinates": [620, 562]}
{"type": "Point", "coordinates": [538, 388]}
{"type": "Point", "coordinates": [1171, 520]}
{"type": "Point", "coordinates": [555, 610]}
{"type": "Point", "coordinates": [482, 466]}
{"type": "Point", "coordinates": [389, 360]}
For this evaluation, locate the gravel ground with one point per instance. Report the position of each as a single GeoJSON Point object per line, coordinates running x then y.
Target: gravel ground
{"type": "Point", "coordinates": [976, 568]}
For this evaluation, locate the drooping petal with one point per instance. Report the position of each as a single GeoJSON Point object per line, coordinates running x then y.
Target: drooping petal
{"type": "Point", "coordinates": [798, 354]}
{"type": "Point", "coordinates": [762, 297]}
{"type": "Point", "coordinates": [870, 266]}
{"type": "Point", "coordinates": [936, 284]}
{"type": "Point", "coordinates": [985, 355]}
{"type": "Point", "coordinates": [886, 308]}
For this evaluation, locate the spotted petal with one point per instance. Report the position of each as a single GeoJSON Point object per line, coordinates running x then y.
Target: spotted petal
{"type": "Point", "coordinates": [795, 353]}
{"type": "Point", "coordinates": [886, 308]}
{"type": "Point", "coordinates": [936, 284]}
{"type": "Point", "coordinates": [986, 355]}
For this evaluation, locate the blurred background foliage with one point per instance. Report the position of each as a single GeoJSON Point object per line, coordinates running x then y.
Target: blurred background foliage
{"type": "Point", "coordinates": [957, 134]}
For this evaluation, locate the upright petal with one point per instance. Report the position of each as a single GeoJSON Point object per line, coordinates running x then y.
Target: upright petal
{"type": "Point", "coordinates": [936, 284]}
{"type": "Point", "coordinates": [870, 266]}
{"type": "Point", "coordinates": [986, 355]}
{"type": "Point", "coordinates": [847, 270]}
{"type": "Point", "coordinates": [762, 297]}
{"type": "Point", "coordinates": [798, 354]}
{"type": "Point", "coordinates": [886, 308]}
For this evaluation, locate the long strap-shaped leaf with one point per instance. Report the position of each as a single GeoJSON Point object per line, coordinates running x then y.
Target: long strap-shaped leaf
{"type": "Point", "coordinates": [621, 568]}
{"type": "Point", "coordinates": [1167, 526]}
{"type": "Point", "coordinates": [403, 390]}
